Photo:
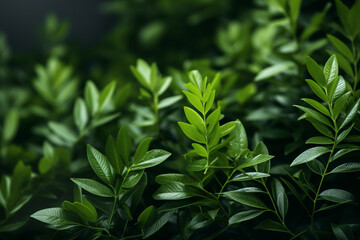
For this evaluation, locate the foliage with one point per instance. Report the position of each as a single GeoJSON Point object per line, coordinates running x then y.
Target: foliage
{"type": "Point", "coordinates": [154, 148]}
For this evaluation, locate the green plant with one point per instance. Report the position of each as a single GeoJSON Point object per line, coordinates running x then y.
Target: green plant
{"type": "Point", "coordinates": [333, 117]}
{"type": "Point", "coordinates": [125, 180]}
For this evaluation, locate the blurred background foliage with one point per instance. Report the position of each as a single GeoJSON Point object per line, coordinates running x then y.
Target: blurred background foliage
{"type": "Point", "coordinates": [258, 47]}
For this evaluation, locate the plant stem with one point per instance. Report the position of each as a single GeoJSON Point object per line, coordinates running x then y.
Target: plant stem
{"type": "Point", "coordinates": [282, 220]}
{"type": "Point", "coordinates": [226, 182]}
{"type": "Point", "coordinates": [112, 212]}
{"type": "Point", "coordinates": [322, 179]}
{"type": "Point", "coordinates": [116, 198]}
{"type": "Point", "coordinates": [327, 164]}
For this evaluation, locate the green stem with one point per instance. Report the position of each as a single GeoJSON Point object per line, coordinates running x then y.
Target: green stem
{"type": "Point", "coordinates": [282, 220]}
{"type": "Point", "coordinates": [322, 179]}
{"type": "Point", "coordinates": [327, 165]}
{"type": "Point", "coordinates": [116, 198]}
{"type": "Point", "coordinates": [226, 182]}
{"type": "Point", "coordinates": [112, 213]}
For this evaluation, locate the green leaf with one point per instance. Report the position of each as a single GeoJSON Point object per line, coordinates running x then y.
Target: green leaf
{"type": "Point", "coordinates": [165, 84]}
{"type": "Point", "coordinates": [195, 119]}
{"type": "Point", "coordinates": [142, 73]}
{"type": "Point", "coordinates": [106, 94]}
{"type": "Point", "coordinates": [213, 119]}
{"type": "Point", "coordinates": [174, 191]}
{"type": "Point", "coordinates": [93, 187]}
{"type": "Point", "coordinates": [315, 71]}
{"type": "Point", "coordinates": [133, 178]}
{"type": "Point", "coordinates": [200, 150]}
{"type": "Point", "coordinates": [309, 155]}
{"type": "Point", "coordinates": [343, 232]}
{"type": "Point", "coordinates": [318, 106]}
{"type": "Point", "coordinates": [167, 102]}
{"type": "Point", "coordinates": [210, 101]}
{"type": "Point", "coordinates": [92, 97]}
{"type": "Point", "coordinates": [197, 165]}
{"type": "Point", "coordinates": [113, 155]}
{"type": "Point", "coordinates": [249, 162]}
{"type": "Point", "coordinates": [337, 88]}
{"type": "Point", "coordinates": [151, 159]}
{"type": "Point", "coordinates": [157, 224]}
{"type": "Point", "coordinates": [336, 195]}
{"type": "Point", "coordinates": [194, 90]}
{"type": "Point", "coordinates": [124, 144]}
{"type": "Point", "coordinates": [11, 227]}
{"type": "Point", "coordinates": [271, 225]}
{"type": "Point", "coordinates": [344, 134]}
{"type": "Point", "coordinates": [249, 176]}
{"type": "Point", "coordinates": [343, 63]}
{"type": "Point", "coordinates": [314, 114]}
{"type": "Point", "coordinates": [319, 140]}
{"type": "Point", "coordinates": [100, 164]}
{"type": "Point", "coordinates": [63, 131]}
{"type": "Point", "coordinates": [53, 216]}
{"type": "Point", "coordinates": [227, 128]}
{"type": "Point", "coordinates": [146, 217]}
{"type": "Point", "coordinates": [246, 198]}
{"type": "Point", "coordinates": [347, 167]}
{"type": "Point", "coordinates": [350, 116]}
{"type": "Point", "coordinates": [321, 127]}
{"type": "Point", "coordinates": [238, 142]}
{"type": "Point", "coordinates": [273, 70]}
{"type": "Point", "coordinates": [316, 166]}
{"type": "Point", "coordinates": [340, 104]}
{"type": "Point", "coordinates": [244, 216]}
{"type": "Point", "coordinates": [11, 123]}
{"type": "Point", "coordinates": [341, 47]}
{"type": "Point", "coordinates": [331, 69]}
{"type": "Point", "coordinates": [195, 78]}
{"type": "Point", "coordinates": [191, 132]}
{"type": "Point", "coordinates": [175, 177]}
{"type": "Point", "coordinates": [316, 89]}
{"type": "Point", "coordinates": [195, 101]}
{"type": "Point", "coordinates": [80, 114]}
{"type": "Point", "coordinates": [344, 151]}
{"type": "Point", "coordinates": [83, 211]}
{"type": "Point", "coordinates": [142, 149]}
{"type": "Point", "coordinates": [280, 197]}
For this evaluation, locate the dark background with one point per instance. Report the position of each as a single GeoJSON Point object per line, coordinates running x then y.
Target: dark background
{"type": "Point", "coordinates": [19, 20]}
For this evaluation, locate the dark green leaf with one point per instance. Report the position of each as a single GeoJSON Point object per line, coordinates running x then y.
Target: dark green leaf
{"type": "Point", "coordinates": [100, 164]}
{"type": "Point", "coordinates": [347, 167]}
{"type": "Point", "coordinates": [113, 155]}
{"type": "Point", "coordinates": [244, 216]}
{"type": "Point", "coordinates": [316, 89]}
{"type": "Point", "coordinates": [146, 217]}
{"type": "Point", "coordinates": [53, 216]}
{"type": "Point", "coordinates": [336, 195]}
{"type": "Point", "coordinates": [271, 225]}
{"type": "Point", "coordinates": [93, 187]}
{"type": "Point", "coordinates": [133, 178]}
{"type": "Point", "coordinates": [341, 47]}
{"type": "Point", "coordinates": [315, 71]}
{"type": "Point", "coordinates": [309, 155]}
{"type": "Point", "coordinates": [142, 149]}
{"type": "Point", "coordinates": [320, 140]}
{"type": "Point", "coordinates": [318, 106]}
{"type": "Point", "coordinates": [124, 145]}
{"type": "Point", "coordinates": [151, 159]}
